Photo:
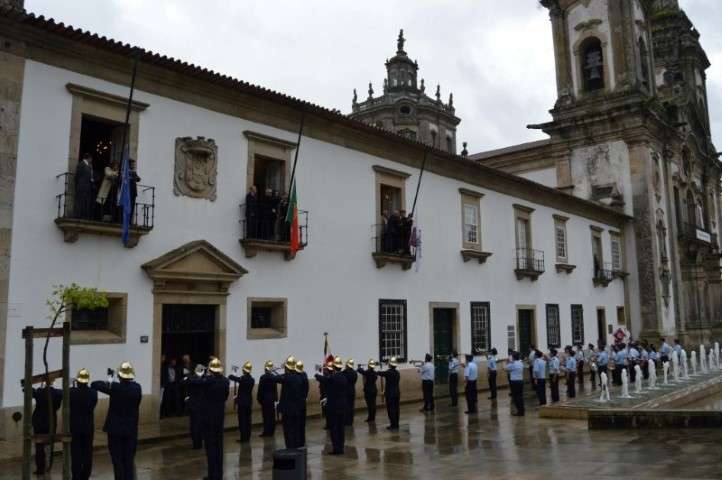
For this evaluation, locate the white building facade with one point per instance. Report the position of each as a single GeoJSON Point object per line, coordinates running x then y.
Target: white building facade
{"type": "Point", "coordinates": [505, 262]}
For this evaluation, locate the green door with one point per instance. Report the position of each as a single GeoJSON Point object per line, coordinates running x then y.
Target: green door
{"type": "Point", "coordinates": [526, 317]}
{"type": "Point", "coordinates": [443, 342]}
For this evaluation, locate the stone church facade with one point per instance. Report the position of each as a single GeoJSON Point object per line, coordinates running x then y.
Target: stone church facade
{"type": "Point", "coordinates": [631, 130]}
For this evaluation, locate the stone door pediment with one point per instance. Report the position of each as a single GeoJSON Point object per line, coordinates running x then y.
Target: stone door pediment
{"type": "Point", "coordinates": [193, 267]}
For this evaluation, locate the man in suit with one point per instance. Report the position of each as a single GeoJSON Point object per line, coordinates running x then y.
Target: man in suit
{"type": "Point", "coordinates": [290, 405]}
{"type": "Point", "coordinates": [216, 389]}
{"type": "Point", "coordinates": [392, 393]}
{"type": "Point", "coordinates": [83, 400]}
{"type": "Point", "coordinates": [84, 188]}
{"type": "Point", "coordinates": [170, 380]}
{"type": "Point", "coordinates": [336, 386]}
{"type": "Point", "coordinates": [267, 395]}
{"type": "Point", "coordinates": [252, 213]}
{"type": "Point", "coordinates": [304, 397]}
{"type": "Point", "coordinates": [370, 390]}
{"type": "Point", "coordinates": [244, 401]}
{"type": "Point", "coordinates": [351, 377]}
{"type": "Point", "coordinates": [133, 180]}
{"type": "Point", "coordinates": [194, 404]}
{"type": "Point", "coordinates": [121, 424]}
{"type": "Point", "coordinates": [45, 419]}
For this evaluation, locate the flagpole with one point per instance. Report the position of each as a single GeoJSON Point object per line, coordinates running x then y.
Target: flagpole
{"type": "Point", "coordinates": [418, 184]}
{"type": "Point", "coordinates": [298, 147]}
{"type": "Point", "coordinates": [136, 58]}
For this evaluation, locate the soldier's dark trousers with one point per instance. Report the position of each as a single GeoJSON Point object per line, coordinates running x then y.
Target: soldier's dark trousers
{"type": "Point", "coordinates": [213, 440]}
{"type": "Point", "coordinates": [40, 458]}
{"type": "Point", "coordinates": [371, 406]}
{"type": "Point", "coordinates": [291, 431]}
{"type": "Point", "coordinates": [454, 389]}
{"type": "Point", "coordinates": [244, 423]}
{"type": "Point", "coordinates": [269, 419]}
{"type": "Point", "coordinates": [81, 454]}
{"type": "Point", "coordinates": [554, 387]}
{"type": "Point", "coordinates": [392, 409]}
{"type": "Point", "coordinates": [471, 396]}
{"type": "Point", "coordinates": [351, 399]}
{"type": "Point", "coordinates": [122, 453]}
{"type": "Point", "coordinates": [517, 395]}
{"type": "Point", "coordinates": [302, 428]}
{"type": "Point", "coordinates": [196, 429]}
{"type": "Point", "coordinates": [492, 384]}
{"type": "Point", "coordinates": [541, 391]}
{"type": "Point", "coordinates": [571, 387]}
{"type": "Point", "coordinates": [427, 388]}
{"type": "Point", "coordinates": [336, 429]}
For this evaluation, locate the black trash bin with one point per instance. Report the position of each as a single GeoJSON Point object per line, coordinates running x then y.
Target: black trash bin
{"type": "Point", "coordinates": [289, 464]}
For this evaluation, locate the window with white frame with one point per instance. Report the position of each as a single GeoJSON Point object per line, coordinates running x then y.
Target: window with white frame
{"type": "Point", "coordinates": [392, 329]}
{"type": "Point", "coordinates": [560, 238]}
{"type": "Point", "coordinates": [470, 219]}
{"type": "Point", "coordinates": [616, 249]}
{"type": "Point", "coordinates": [577, 324]}
{"type": "Point", "coordinates": [553, 331]}
{"type": "Point", "coordinates": [480, 327]}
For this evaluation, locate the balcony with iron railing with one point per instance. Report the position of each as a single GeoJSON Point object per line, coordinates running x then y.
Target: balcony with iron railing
{"type": "Point", "coordinates": [265, 229]}
{"type": "Point", "coordinates": [692, 233]}
{"type": "Point", "coordinates": [79, 214]}
{"type": "Point", "coordinates": [603, 275]}
{"type": "Point", "coordinates": [392, 246]}
{"type": "Point", "coordinates": [528, 263]}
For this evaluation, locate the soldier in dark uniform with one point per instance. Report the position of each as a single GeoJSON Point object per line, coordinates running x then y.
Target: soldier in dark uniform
{"type": "Point", "coordinates": [267, 395]}
{"type": "Point", "coordinates": [84, 188]}
{"type": "Point", "coordinates": [326, 372]}
{"type": "Point", "coordinates": [336, 386]}
{"type": "Point", "coordinates": [352, 377]}
{"type": "Point", "coordinates": [47, 402]}
{"type": "Point", "coordinates": [370, 390]}
{"type": "Point", "coordinates": [252, 213]}
{"type": "Point", "coordinates": [194, 405]}
{"type": "Point", "coordinates": [392, 393]}
{"type": "Point", "coordinates": [216, 389]}
{"type": "Point", "coordinates": [121, 424]}
{"type": "Point", "coordinates": [304, 380]}
{"type": "Point", "coordinates": [244, 401]}
{"type": "Point", "coordinates": [290, 404]}
{"type": "Point", "coordinates": [83, 400]}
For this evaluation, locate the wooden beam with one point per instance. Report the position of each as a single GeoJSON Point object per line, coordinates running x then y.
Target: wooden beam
{"type": "Point", "coordinates": [43, 332]}
{"type": "Point", "coordinates": [40, 377]}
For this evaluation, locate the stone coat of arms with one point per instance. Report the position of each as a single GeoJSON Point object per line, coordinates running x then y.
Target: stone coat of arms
{"type": "Point", "coordinates": [196, 167]}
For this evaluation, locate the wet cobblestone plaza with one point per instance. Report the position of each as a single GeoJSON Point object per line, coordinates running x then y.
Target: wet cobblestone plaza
{"type": "Point", "coordinates": [450, 444]}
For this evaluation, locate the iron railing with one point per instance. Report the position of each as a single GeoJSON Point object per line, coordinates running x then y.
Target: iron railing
{"type": "Point", "coordinates": [268, 224]}
{"type": "Point", "coordinates": [396, 241]}
{"type": "Point", "coordinates": [87, 208]}
{"type": "Point", "coordinates": [604, 274]}
{"type": "Point", "coordinates": [529, 260]}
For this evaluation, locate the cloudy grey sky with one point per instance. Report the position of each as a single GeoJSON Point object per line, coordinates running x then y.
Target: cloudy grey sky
{"type": "Point", "coordinates": [496, 57]}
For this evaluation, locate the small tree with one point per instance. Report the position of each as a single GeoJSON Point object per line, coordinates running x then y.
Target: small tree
{"type": "Point", "coordinates": [64, 298]}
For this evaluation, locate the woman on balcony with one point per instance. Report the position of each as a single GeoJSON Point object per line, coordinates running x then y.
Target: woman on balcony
{"type": "Point", "coordinates": [107, 187]}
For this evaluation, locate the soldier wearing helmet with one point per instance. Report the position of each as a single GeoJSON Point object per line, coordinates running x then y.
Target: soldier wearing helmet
{"type": "Point", "coordinates": [83, 400]}
{"type": "Point", "coordinates": [244, 401]}
{"type": "Point", "coordinates": [370, 390]}
{"type": "Point", "coordinates": [291, 403]}
{"type": "Point", "coordinates": [267, 396]}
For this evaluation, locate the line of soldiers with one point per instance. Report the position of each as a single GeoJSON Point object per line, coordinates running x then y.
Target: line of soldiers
{"type": "Point", "coordinates": [121, 423]}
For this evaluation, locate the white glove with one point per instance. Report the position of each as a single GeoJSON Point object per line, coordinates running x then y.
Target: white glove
{"type": "Point", "coordinates": [324, 401]}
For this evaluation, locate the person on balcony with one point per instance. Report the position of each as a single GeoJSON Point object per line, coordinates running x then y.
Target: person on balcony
{"type": "Point", "coordinates": [133, 180]}
{"type": "Point", "coordinates": [405, 224]}
{"type": "Point", "coordinates": [252, 207]}
{"type": "Point", "coordinates": [84, 186]}
{"type": "Point", "coordinates": [282, 228]}
{"type": "Point", "coordinates": [386, 239]}
{"type": "Point", "coordinates": [107, 187]}
{"type": "Point", "coordinates": [268, 211]}
{"type": "Point", "coordinates": [393, 230]}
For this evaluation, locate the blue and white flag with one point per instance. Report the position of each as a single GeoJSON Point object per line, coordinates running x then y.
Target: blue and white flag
{"type": "Point", "coordinates": [124, 195]}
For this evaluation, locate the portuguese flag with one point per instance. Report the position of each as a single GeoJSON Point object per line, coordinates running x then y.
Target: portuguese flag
{"type": "Point", "coordinates": [292, 218]}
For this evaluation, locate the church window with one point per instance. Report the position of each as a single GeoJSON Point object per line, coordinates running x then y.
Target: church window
{"type": "Point", "coordinates": [267, 318]}
{"type": "Point", "coordinates": [449, 144]}
{"type": "Point", "coordinates": [392, 330]}
{"type": "Point", "coordinates": [616, 250]}
{"type": "Point", "coordinates": [691, 209]}
{"type": "Point", "coordinates": [644, 62]}
{"type": "Point", "coordinates": [700, 215]}
{"type": "Point", "coordinates": [592, 65]}
{"type": "Point", "coordinates": [560, 238]}
{"type": "Point", "coordinates": [408, 133]}
{"type": "Point", "coordinates": [405, 110]}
